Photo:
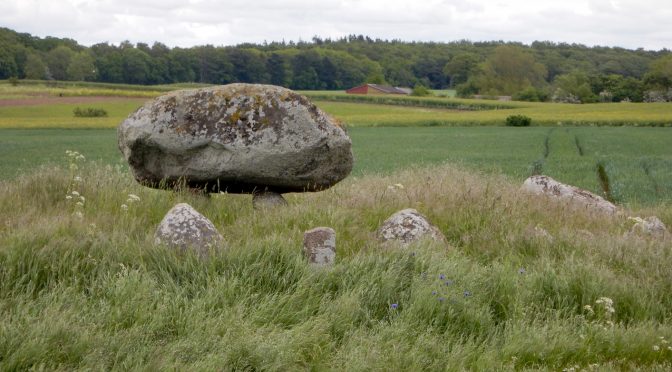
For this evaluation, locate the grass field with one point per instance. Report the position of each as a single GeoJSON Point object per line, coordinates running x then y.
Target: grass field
{"type": "Point", "coordinates": [637, 160]}
{"type": "Point", "coordinates": [91, 291]}
{"type": "Point", "coordinates": [83, 287]}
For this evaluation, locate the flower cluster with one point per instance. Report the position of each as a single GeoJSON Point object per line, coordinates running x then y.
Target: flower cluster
{"type": "Point", "coordinates": [77, 200]}
{"type": "Point", "coordinates": [662, 345]}
{"type": "Point", "coordinates": [132, 198]}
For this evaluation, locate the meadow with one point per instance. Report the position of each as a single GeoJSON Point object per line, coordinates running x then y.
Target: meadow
{"type": "Point", "coordinates": [82, 286]}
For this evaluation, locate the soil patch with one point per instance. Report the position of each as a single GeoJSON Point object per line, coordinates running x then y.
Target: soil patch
{"type": "Point", "coordinates": [51, 100]}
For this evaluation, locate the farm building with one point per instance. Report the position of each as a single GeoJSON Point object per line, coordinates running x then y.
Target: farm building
{"type": "Point", "coordinates": [377, 89]}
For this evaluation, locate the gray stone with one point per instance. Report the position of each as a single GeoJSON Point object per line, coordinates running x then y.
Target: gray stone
{"type": "Point", "coordinates": [408, 226]}
{"type": "Point", "coordinates": [649, 226]}
{"type": "Point", "coordinates": [265, 200]}
{"type": "Point", "coordinates": [184, 228]}
{"type": "Point", "coordinates": [319, 246]}
{"type": "Point", "coordinates": [236, 138]}
{"type": "Point", "coordinates": [544, 185]}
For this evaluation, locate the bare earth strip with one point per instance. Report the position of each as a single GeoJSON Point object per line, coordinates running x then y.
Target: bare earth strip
{"type": "Point", "coordinates": [49, 100]}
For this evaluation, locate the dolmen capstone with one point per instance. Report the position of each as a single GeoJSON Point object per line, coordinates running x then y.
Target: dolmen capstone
{"type": "Point", "coordinates": [183, 228]}
{"type": "Point", "coordinates": [237, 138]}
{"type": "Point", "coordinates": [544, 185]}
{"type": "Point", "coordinates": [406, 227]}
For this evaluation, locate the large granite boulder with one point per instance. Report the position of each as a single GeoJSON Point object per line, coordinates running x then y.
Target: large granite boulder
{"type": "Point", "coordinates": [544, 185]}
{"type": "Point", "coordinates": [237, 138]}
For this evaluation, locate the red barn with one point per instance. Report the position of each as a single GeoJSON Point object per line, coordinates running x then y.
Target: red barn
{"type": "Point", "coordinates": [377, 89]}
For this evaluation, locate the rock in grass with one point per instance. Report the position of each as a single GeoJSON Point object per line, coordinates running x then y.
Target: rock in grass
{"type": "Point", "coordinates": [237, 138]}
{"type": "Point", "coordinates": [184, 228]}
{"type": "Point", "coordinates": [265, 200]}
{"type": "Point", "coordinates": [319, 246]}
{"type": "Point", "coordinates": [408, 226]}
{"type": "Point", "coordinates": [649, 226]}
{"type": "Point", "coordinates": [544, 185]}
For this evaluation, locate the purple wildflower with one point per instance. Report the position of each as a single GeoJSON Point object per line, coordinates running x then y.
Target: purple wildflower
{"type": "Point", "coordinates": [394, 306]}
{"type": "Point", "coordinates": [449, 282]}
{"type": "Point", "coordinates": [441, 276]}
{"type": "Point", "coordinates": [521, 270]}
{"type": "Point", "coordinates": [467, 293]}
{"type": "Point", "coordinates": [441, 299]}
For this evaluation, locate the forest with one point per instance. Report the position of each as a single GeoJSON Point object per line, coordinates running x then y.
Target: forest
{"type": "Point", "coordinates": [541, 71]}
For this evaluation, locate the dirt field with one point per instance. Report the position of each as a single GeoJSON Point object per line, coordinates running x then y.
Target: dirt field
{"type": "Point", "coordinates": [51, 100]}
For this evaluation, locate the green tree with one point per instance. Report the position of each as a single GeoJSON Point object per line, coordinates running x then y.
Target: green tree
{"type": "Point", "coordinates": [574, 86]}
{"type": "Point", "coordinates": [58, 60]}
{"type": "Point", "coordinates": [278, 70]}
{"type": "Point", "coordinates": [35, 68]}
{"type": "Point", "coordinates": [509, 70]}
{"type": "Point", "coordinates": [81, 67]}
{"type": "Point", "coordinates": [659, 76]}
{"type": "Point", "coordinates": [460, 68]}
{"type": "Point", "coordinates": [135, 65]}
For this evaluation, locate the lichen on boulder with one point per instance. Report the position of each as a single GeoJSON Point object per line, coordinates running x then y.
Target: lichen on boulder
{"type": "Point", "coordinates": [237, 138]}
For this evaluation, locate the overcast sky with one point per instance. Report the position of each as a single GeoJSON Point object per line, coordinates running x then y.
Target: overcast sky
{"type": "Point", "coordinates": [625, 23]}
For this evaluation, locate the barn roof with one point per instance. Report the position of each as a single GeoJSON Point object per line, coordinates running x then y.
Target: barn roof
{"type": "Point", "coordinates": [382, 88]}
{"type": "Point", "coordinates": [387, 89]}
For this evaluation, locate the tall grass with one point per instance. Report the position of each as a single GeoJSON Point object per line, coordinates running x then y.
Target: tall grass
{"type": "Point", "coordinates": [92, 292]}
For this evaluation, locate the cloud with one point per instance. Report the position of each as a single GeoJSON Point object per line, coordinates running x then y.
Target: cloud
{"type": "Point", "coordinates": [186, 23]}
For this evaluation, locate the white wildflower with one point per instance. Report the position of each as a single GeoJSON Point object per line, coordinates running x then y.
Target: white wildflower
{"type": "Point", "coordinates": [124, 207]}
{"type": "Point", "coordinates": [132, 198]}
{"type": "Point", "coordinates": [68, 197]}
{"type": "Point", "coordinates": [656, 348]}
{"type": "Point", "coordinates": [588, 308]}
{"type": "Point", "coordinates": [78, 214]}
{"type": "Point", "coordinates": [80, 204]}
{"type": "Point", "coordinates": [82, 199]}
{"type": "Point", "coordinates": [75, 193]}
{"type": "Point", "coordinates": [77, 179]}
{"type": "Point", "coordinates": [79, 157]}
{"type": "Point", "coordinates": [398, 185]}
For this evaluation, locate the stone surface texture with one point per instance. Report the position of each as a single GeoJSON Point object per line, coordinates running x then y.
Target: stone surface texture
{"type": "Point", "coordinates": [408, 226]}
{"type": "Point", "coordinates": [544, 185]}
{"type": "Point", "coordinates": [184, 228]}
{"type": "Point", "coordinates": [649, 226]}
{"type": "Point", "coordinates": [264, 200]}
{"type": "Point", "coordinates": [319, 246]}
{"type": "Point", "coordinates": [237, 138]}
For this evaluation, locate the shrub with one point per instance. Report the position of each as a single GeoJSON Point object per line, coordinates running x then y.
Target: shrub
{"type": "Point", "coordinates": [518, 121]}
{"type": "Point", "coordinates": [89, 112]}
{"type": "Point", "coordinates": [14, 81]}
{"type": "Point", "coordinates": [420, 91]}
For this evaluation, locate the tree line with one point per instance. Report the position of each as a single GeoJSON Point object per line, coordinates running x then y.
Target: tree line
{"type": "Point", "coordinates": [541, 71]}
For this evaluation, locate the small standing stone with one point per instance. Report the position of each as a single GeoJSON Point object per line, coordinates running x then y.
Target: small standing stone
{"type": "Point", "coordinates": [408, 226]}
{"type": "Point", "coordinates": [183, 228]}
{"type": "Point", "coordinates": [268, 199]}
{"type": "Point", "coordinates": [649, 226]}
{"type": "Point", "coordinates": [319, 246]}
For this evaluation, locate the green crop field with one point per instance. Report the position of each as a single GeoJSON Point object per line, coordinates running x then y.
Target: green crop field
{"type": "Point", "coordinates": [637, 160]}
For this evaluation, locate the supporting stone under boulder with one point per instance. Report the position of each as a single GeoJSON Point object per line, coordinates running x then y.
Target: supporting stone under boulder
{"type": "Point", "coordinates": [544, 185]}
{"type": "Point", "coordinates": [184, 228]}
{"type": "Point", "coordinates": [319, 246]}
{"type": "Point", "coordinates": [408, 226]}
{"type": "Point", "coordinates": [266, 200]}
